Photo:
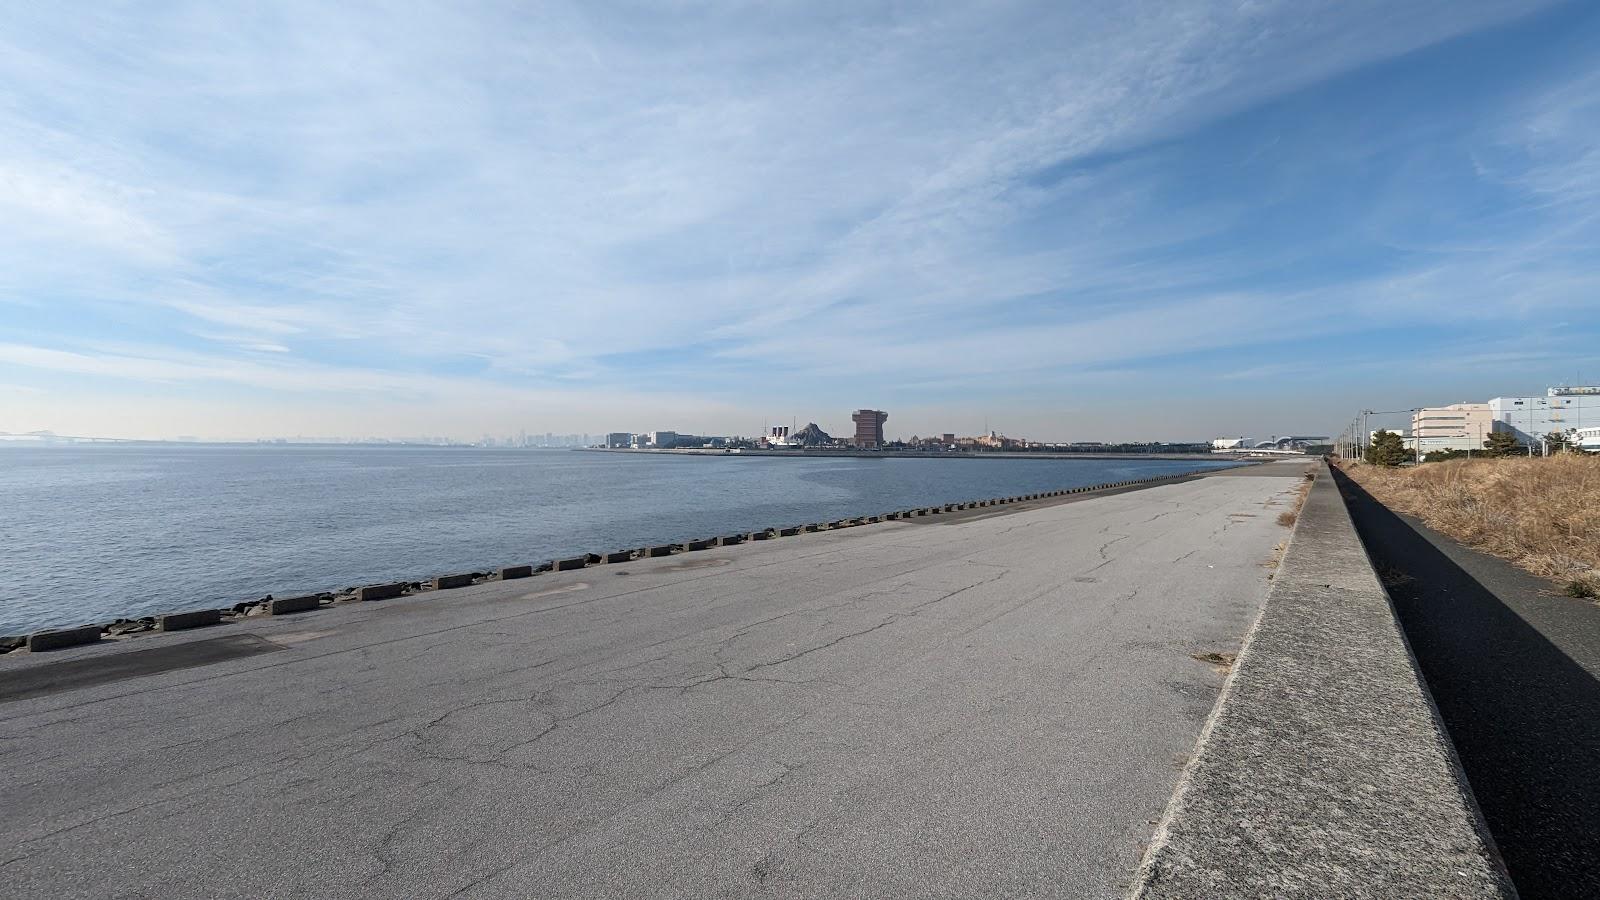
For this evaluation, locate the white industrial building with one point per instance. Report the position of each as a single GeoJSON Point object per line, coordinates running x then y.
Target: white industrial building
{"type": "Point", "coordinates": [1564, 409]}
{"type": "Point", "coordinates": [1459, 426]}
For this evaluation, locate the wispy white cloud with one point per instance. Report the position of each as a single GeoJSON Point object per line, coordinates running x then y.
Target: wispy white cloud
{"type": "Point", "coordinates": [65, 205]}
{"type": "Point", "coordinates": [581, 195]}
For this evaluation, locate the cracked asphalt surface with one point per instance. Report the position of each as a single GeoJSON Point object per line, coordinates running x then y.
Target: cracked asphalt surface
{"type": "Point", "coordinates": [995, 705]}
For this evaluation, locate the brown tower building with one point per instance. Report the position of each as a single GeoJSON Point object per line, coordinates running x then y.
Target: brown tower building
{"type": "Point", "coordinates": [869, 427]}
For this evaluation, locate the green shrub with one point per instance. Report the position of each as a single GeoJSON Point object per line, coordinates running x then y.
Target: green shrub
{"type": "Point", "coordinates": [1502, 443]}
{"type": "Point", "coordinates": [1581, 589]}
{"type": "Point", "coordinates": [1387, 449]}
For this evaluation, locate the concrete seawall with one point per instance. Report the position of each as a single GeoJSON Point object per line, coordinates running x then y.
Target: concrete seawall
{"type": "Point", "coordinates": [1325, 770]}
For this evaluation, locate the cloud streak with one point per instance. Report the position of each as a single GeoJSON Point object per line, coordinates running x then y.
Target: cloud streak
{"type": "Point", "coordinates": [591, 200]}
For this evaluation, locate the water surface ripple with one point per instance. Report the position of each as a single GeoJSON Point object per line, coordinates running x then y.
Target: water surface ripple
{"type": "Point", "coordinates": [91, 533]}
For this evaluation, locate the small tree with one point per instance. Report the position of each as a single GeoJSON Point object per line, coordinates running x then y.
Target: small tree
{"type": "Point", "coordinates": [1557, 441]}
{"type": "Point", "coordinates": [1444, 455]}
{"type": "Point", "coordinates": [1387, 449]}
{"type": "Point", "coordinates": [1501, 443]}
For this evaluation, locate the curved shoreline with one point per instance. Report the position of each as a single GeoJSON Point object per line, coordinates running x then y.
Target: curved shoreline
{"type": "Point", "coordinates": [43, 640]}
{"type": "Point", "coordinates": [820, 453]}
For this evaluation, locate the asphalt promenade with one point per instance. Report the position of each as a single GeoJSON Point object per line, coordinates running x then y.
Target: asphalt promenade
{"type": "Point", "coordinates": [994, 705]}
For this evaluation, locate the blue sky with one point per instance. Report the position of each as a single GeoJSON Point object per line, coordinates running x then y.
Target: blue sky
{"type": "Point", "coordinates": [1072, 221]}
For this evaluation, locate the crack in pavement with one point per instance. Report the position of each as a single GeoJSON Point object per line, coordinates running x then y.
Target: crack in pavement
{"type": "Point", "coordinates": [910, 612]}
{"type": "Point", "coordinates": [585, 827]}
{"type": "Point", "coordinates": [724, 675]}
{"type": "Point", "coordinates": [758, 791]}
{"type": "Point", "coordinates": [558, 721]}
{"type": "Point", "coordinates": [1007, 610]}
{"type": "Point", "coordinates": [1105, 558]}
{"type": "Point", "coordinates": [271, 767]}
{"type": "Point", "coordinates": [362, 648]}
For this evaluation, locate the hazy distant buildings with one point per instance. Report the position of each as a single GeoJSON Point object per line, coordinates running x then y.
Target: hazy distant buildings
{"type": "Point", "coordinates": [869, 427]}
{"type": "Point", "coordinates": [1562, 409]}
{"type": "Point", "coordinates": [996, 441]}
{"type": "Point", "coordinates": [662, 440]}
{"type": "Point", "coordinates": [1459, 426]}
{"type": "Point", "coordinates": [1568, 410]}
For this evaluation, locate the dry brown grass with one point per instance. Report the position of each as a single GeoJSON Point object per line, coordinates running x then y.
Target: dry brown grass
{"type": "Point", "coordinates": [1541, 513]}
{"type": "Point", "coordinates": [1222, 662]}
{"type": "Point", "coordinates": [1287, 519]}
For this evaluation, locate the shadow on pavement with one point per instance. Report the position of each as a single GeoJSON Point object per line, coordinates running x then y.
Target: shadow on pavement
{"type": "Point", "coordinates": [1524, 716]}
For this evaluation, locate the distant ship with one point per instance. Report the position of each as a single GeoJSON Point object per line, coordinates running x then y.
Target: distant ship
{"type": "Point", "coordinates": [809, 436]}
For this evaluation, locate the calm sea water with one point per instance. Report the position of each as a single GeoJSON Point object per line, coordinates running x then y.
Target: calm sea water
{"type": "Point", "coordinates": [93, 533]}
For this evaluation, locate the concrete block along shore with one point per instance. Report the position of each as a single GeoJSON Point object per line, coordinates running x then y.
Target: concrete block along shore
{"type": "Point", "coordinates": [991, 701]}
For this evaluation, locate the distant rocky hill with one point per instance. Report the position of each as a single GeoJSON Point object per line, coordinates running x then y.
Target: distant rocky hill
{"type": "Point", "coordinates": [810, 436]}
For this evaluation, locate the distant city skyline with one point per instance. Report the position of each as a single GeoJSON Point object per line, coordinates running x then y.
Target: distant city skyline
{"type": "Point", "coordinates": [1067, 221]}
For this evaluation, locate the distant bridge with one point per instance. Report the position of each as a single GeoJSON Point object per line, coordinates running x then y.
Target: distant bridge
{"type": "Point", "coordinates": [1291, 441]}
{"type": "Point", "coordinates": [46, 437]}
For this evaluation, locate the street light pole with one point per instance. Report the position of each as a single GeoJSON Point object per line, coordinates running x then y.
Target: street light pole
{"type": "Point", "coordinates": [1365, 423]}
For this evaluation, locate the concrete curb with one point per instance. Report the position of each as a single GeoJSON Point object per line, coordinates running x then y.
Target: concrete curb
{"type": "Point", "coordinates": [285, 605]}
{"type": "Point", "coordinates": [1324, 769]}
{"type": "Point", "coordinates": [56, 639]}
{"type": "Point", "coordinates": [381, 591]}
{"type": "Point", "coordinates": [198, 618]}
